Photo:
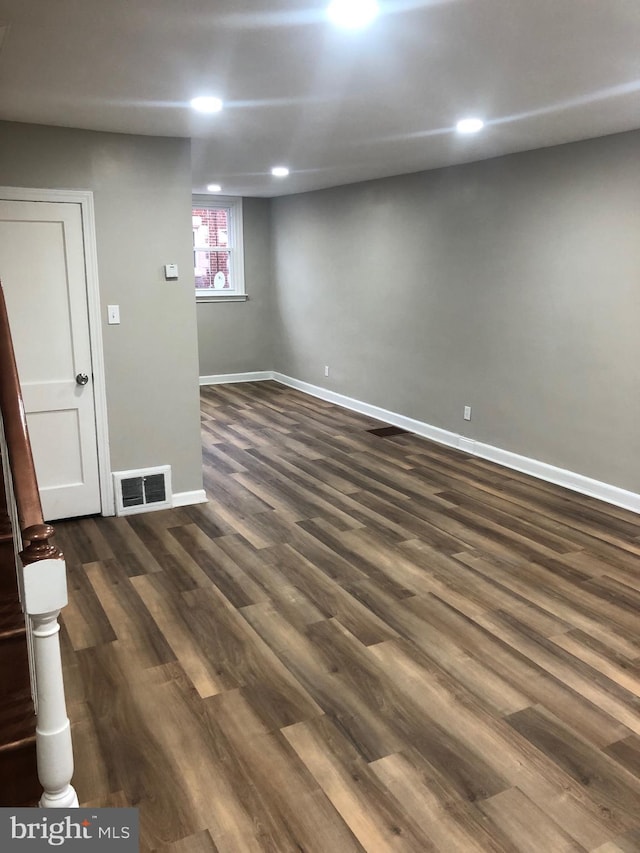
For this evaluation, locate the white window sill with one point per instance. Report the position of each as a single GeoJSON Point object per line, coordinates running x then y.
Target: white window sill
{"type": "Point", "coordinates": [232, 297]}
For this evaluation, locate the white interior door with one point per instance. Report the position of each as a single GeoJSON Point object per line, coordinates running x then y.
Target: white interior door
{"type": "Point", "coordinates": [42, 268]}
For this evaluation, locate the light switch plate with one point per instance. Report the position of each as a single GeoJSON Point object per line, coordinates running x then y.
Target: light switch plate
{"type": "Point", "coordinates": [113, 315]}
{"type": "Point", "coordinates": [170, 271]}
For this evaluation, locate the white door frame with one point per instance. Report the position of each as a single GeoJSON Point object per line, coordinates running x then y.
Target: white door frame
{"type": "Point", "coordinates": [85, 199]}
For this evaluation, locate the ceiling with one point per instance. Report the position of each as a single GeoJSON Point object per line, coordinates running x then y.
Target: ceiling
{"type": "Point", "coordinates": [335, 106]}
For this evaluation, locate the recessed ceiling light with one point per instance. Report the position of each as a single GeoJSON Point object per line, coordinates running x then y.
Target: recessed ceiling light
{"type": "Point", "coordinates": [280, 171]}
{"type": "Point", "coordinates": [469, 125]}
{"type": "Point", "coordinates": [213, 188]}
{"type": "Point", "coordinates": [352, 14]}
{"type": "Point", "coordinates": [207, 104]}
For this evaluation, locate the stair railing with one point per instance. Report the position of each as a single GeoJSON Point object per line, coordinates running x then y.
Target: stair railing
{"type": "Point", "coordinates": [42, 584]}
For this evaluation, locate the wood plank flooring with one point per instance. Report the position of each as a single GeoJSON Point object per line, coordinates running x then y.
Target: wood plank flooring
{"type": "Point", "coordinates": [360, 643]}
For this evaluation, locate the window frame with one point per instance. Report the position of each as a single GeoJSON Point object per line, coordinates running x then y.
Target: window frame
{"type": "Point", "coordinates": [237, 291]}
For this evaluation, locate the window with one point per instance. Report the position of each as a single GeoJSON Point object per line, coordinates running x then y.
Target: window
{"type": "Point", "coordinates": [218, 256]}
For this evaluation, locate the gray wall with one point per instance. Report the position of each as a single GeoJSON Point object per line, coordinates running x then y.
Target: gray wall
{"type": "Point", "coordinates": [235, 337]}
{"type": "Point", "coordinates": [511, 285]}
{"type": "Point", "coordinates": [142, 195]}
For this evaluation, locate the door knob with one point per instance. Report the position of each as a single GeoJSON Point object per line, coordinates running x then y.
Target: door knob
{"type": "Point", "coordinates": [82, 379]}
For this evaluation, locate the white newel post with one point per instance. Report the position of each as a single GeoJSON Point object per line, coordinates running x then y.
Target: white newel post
{"type": "Point", "coordinates": [45, 593]}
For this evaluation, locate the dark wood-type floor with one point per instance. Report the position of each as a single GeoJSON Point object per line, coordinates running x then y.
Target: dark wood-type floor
{"type": "Point", "coordinates": [361, 642]}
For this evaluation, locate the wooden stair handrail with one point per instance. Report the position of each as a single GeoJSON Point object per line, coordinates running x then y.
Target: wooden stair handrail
{"type": "Point", "coordinates": [42, 584]}
{"type": "Point", "coordinates": [20, 460]}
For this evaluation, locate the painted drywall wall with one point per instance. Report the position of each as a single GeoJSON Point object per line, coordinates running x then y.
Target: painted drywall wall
{"type": "Point", "coordinates": [142, 195]}
{"type": "Point", "coordinates": [235, 337]}
{"type": "Point", "coordinates": [510, 285]}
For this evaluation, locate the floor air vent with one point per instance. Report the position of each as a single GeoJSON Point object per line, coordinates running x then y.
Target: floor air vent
{"type": "Point", "coordinates": [388, 431]}
{"type": "Point", "coordinates": [143, 491]}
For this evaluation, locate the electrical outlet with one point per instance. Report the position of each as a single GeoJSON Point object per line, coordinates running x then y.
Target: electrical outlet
{"type": "Point", "coordinates": [467, 413]}
{"type": "Point", "coordinates": [326, 370]}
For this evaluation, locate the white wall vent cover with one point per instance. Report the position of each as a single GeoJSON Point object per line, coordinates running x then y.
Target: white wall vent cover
{"type": "Point", "coordinates": [143, 490]}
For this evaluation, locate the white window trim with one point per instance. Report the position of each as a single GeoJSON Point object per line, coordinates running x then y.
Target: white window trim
{"type": "Point", "coordinates": [237, 292]}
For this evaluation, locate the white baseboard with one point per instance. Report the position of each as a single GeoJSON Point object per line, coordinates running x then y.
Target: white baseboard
{"type": "Point", "coordinates": [225, 378]}
{"type": "Point", "coordinates": [560, 476]}
{"type": "Point", "coordinates": [442, 436]}
{"type": "Point", "coordinates": [198, 496]}
{"type": "Point", "coordinates": [543, 471]}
